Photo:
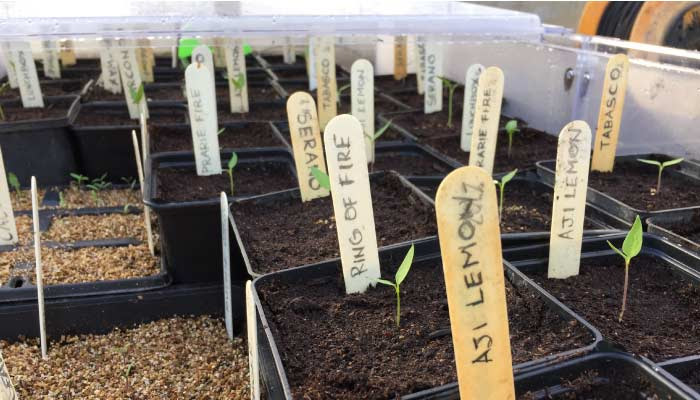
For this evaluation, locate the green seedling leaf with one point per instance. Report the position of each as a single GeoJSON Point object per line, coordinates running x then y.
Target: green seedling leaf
{"type": "Point", "coordinates": [239, 82]}
{"type": "Point", "coordinates": [220, 131]}
{"type": "Point", "coordinates": [405, 266]}
{"type": "Point", "coordinates": [13, 181]}
{"type": "Point", "coordinates": [631, 247]}
{"type": "Point", "coordinates": [381, 130]}
{"type": "Point", "coordinates": [507, 177]}
{"type": "Point", "coordinates": [661, 166]}
{"type": "Point", "coordinates": [672, 162]}
{"type": "Point", "coordinates": [61, 200]}
{"type": "Point", "coordinates": [451, 87]}
{"type": "Point", "coordinates": [385, 282]}
{"type": "Point", "coordinates": [233, 161]}
{"type": "Point", "coordinates": [511, 129]}
{"type": "Point", "coordinates": [650, 162]}
{"type": "Point", "coordinates": [137, 95]}
{"type": "Point", "coordinates": [321, 177]}
{"type": "Point", "coordinates": [341, 90]}
{"type": "Point", "coordinates": [502, 186]}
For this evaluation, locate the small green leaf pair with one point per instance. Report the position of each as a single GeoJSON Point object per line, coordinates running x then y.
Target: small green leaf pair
{"type": "Point", "coordinates": [511, 128]}
{"type": "Point", "coordinates": [340, 92]}
{"type": "Point", "coordinates": [502, 186]}
{"type": "Point", "coordinates": [380, 132]}
{"type": "Point", "coordinates": [398, 279]}
{"type": "Point", "coordinates": [239, 82]}
{"type": "Point", "coordinates": [229, 168]}
{"type": "Point", "coordinates": [14, 182]}
{"type": "Point", "coordinates": [661, 166]}
{"type": "Point", "coordinates": [451, 87]}
{"type": "Point", "coordinates": [630, 248]}
{"type": "Point", "coordinates": [137, 94]}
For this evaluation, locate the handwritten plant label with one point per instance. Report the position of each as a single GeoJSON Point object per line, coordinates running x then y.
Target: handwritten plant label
{"type": "Point", "coordinates": [9, 65]}
{"type": "Point", "coordinates": [201, 55]}
{"type": "Point", "coordinates": [433, 84]}
{"type": "Point", "coordinates": [610, 115]}
{"type": "Point", "coordinates": [139, 171]}
{"type": "Point", "coordinates": [130, 77]}
{"type": "Point", "coordinates": [237, 78]}
{"type": "Point", "coordinates": [110, 68]}
{"type": "Point", "coordinates": [252, 329]}
{"type": "Point", "coordinates": [400, 55]}
{"type": "Point", "coordinates": [68, 54]}
{"type": "Point", "coordinates": [27, 79]}
{"type": "Point", "coordinates": [420, 64]}
{"type": "Point", "coordinates": [327, 91]}
{"type": "Point", "coordinates": [52, 66]}
{"type": "Point", "coordinates": [306, 144]}
{"type": "Point", "coordinates": [311, 62]}
{"type": "Point", "coordinates": [471, 87]}
{"type": "Point", "coordinates": [288, 52]}
{"type": "Point", "coordinates": [569, 208]}
{"type": "Point", "coordinates": [470, 243]}
{"type": "Point", "coordinates": [219, 53]}
{"type": "Point", "coordinates": [362, 101]}
{"type": "Point", "coordinates": [202, 110]}
{"type": "Point", "coordinates": [7, 390]}
{"type": "Point", "coordinates": [143, 56]}
{"type": "Point", "coordinates": [487, 115]}
{"type": "Point", "coordinates": [228, 316]}
{"type": "Point", "coordinates": [39, 270]}
{"type": "Point", "coordinates": [352, 202]}
{"type": "Point", "coordinates": [8, 228]}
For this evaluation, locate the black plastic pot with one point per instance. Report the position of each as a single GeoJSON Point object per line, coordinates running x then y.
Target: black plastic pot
{"type": "Point", "coordinates": [686, 170]}
{"type": "Point", "coordinates": [272, 369]}
{"type": "Point", "coordinates": [41, 148]}
{"type": "Point", "coordinates": [659, 225]}
{"type": "Point", "coordinates": [109, 148]}
{"type": "Point", "coordinates": [190, 232]}
{"type": "Point", "coordinates": [53, 87]}
{"type": "Point", "coordinates": [682, 369]}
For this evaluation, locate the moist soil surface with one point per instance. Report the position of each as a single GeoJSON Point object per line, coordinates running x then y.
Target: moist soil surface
{"type": "Point", "coordinates": [293, 233]}
{"type": "Point", "coordinates": [688, 229]}
{"type": "Point", "coordinates": [662, 317]}
{"type": "Point", "coordinates": [391, 134]}
{"type": "Point", "coordinates": [255, 93]}
{"type": "Point", "coordinates": [22, 200]}
{"type": "Point", "coordinates": [634, 184]}
{"type": "Point", "coordinates": [387, 84]}
{"type": "Point", "coordinates": [691, 378]}
{"type": "Point", "coordinates": [119, 116]}
{"type": "Point", "coordinates": [174, 358]}
{"type": "Point", "coordinates": [50, 88]}
{"type": "Point", "coordinates": [246, 134]}
{"type": "Point", "coordinates": [53, 109]}
{"type": "Point", "coordinates": [410, 96]}
{"type": "Point", "coordinates": [257, 112]}
{"type": "Point", "coordinates": [342, 346]}
{"type": "Point", "coordinates": [178, 184]}
{"type": "Point", "coordinates": [409, 164]}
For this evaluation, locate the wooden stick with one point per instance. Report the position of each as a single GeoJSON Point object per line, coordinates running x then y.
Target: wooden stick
{"type": "Point", "coordinates": [146, 210]}
{"type": "Point", "coordinates": [39, 271]}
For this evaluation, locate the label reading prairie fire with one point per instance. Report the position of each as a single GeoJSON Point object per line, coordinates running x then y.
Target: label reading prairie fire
{"type": "Point", "coordinates": [202, 110]}
{"type": "Point", "coordinates": [486, 119]}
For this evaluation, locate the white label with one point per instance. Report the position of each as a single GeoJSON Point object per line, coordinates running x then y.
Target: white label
{"type": "Point", "coordinates": [9, 65]}
{"type": "Point", "coordinates": [201, 55]}
{"type": "Point", "coordinates": [433, 70]}
{"type": "Point", "coordinates": [569, 208]}
{"type": "Point", "coordinates": [39, 269]}
{"type": "Point", "coordinates": [420, 64]}
{"type": "Point", "coordinates": [7, 390]}
{"type": "Point", "coordinates": [311, 63]}
{"type": "Point", "coordinates": [27, 79]}
{"type": "Point", "coordinates": [130, 76]}
{"type": "Point", "coordinates": [486, 119]}
{"type": "Point", "coordinates": [228, 316]}
{"type": "Point", "coordinates": [362, 99]}
{"type": "Point", "coordinates": [8, 228]}
{"type": "Point", "coordinates": [173, 57]}
{"type": "Point", "coordinates": [327, 92]}
{"type": "Point", "coordinates": [237, 78]}
{"type": "Point", "coordinates": [252, 329]}
{"type": "Point", "coordinates": [52, 64]}
{"type": "Point", "coordinates": [202, 108]}
{"type": "Point", "coordinates": [288, 52]}
{"type": "Point", "coordinates": [110, 68]}
{"type": "Point", "coordinates": [471, 87]}
{"type": "Point", "coordinates": [352, 202]}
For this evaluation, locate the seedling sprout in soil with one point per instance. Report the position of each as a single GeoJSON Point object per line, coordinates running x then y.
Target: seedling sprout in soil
{"type": "Point", "coordinates": [61, 200]}
{"type": "Point", "coordinates": [511, 129]}
{"type": "Point", "coordinates": [97, 185]}
{"type": "Point", "coordinates": [451, 87]}
{"type": "Point", "coordinates": [79, 179]}
{"type": "Point", "coordinates": [321, 177]}
{"type": "Point", "coordinates": [630, 248]}
{"type": "Point", "coordinates": [501, 187]}
{"type": "Point", "coordinates": [341, 90]}
{"type": "Point", "coordinates": [229, 169]}
{"type": "Point", "coordinates": [13, 181]}
{"type": "Point", "coordinates": [220, 131]}
{"type": "Point", "coordinates": [131, 181]}
{"type": "Point", "coordinates": [3, 89]}
{"type": "Point", "coordinates": [661, 166]}
{"type": "Point", "coordinates": [398, 279]}
{"type": "Point", "coordinates": [377, 135]}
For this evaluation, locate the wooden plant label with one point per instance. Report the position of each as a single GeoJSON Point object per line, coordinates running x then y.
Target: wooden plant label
{"type": "Point", "coordinates": [237, 78]}
{"type": "Point", "coordinates": [362, 101]}
{"type": "Point", "coordinates": [486, 118]}
{"type": "Point", "coordinates": [311, 62]}
{"type": "Point", "coordinates": [130, 77]}
{"type": "Point", "coordinates": [228, 315]}
{"type": "Point", "coordinates": [252, 329]}
{"type": "Point", "coordinates": [306, 144]}
{"type": "Point", "coordinates": [52, 65]}
{"type": "Point", "coordinates": [27, 79]}
{"type": "Point", "coordinates": [433, 84]}
{"type": "Point", "coordinates": [9, 65]}
{"type": "Point", "coordinates": [139, 171]}
{"type": "Point", "coordinates": [110, 68]}
{"type": "Point", "coordinates": [569, 208]}
{"type": "Point", "coordinates": [201, 103]}
{"type": "Point", "coordinates": [352, 202]}
{"type": "Point", "coordinates": [400, 55]}
{"type": "Point", "coordinates": [68, 54]}
{"type": "Point", "coordinates": [610, 115]}
{"type": "Point", "coordinates": [8, 227]}
{"type": "Point", "coordinates": [219, 52]}
{"type": "Point", "coordinates": [143, 55]}
{"type": "Point", "coordinates": [327, 91]}
{"type": "Point", "coordinates": [7, 390]}
{"type": "Point", "coordinates": [470, 243]}
{"type": "Point", "coordinates": [420, 64]}
{"type": "Point", "coordinates": [39, 269]}
{"type": "Point", "coordinates": [201, 55]}
{"type": "Point", "coordinates": [288, 53]}
{"type": "Point", "coordinates": [471, 87]}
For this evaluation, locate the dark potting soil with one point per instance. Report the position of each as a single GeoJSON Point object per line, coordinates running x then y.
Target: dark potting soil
{"type": "Point", "coordinates": [177, 184]}
{"type": "Point", "coordinates": [279, 60]}
{"type": "Point", "coordinates": [381, 105]}
{"type": "Point", "coordinates": [50, 88]}
{"type": "Point", "coordinates": [691, 378]}
{"type": "Point", "coordinates": [53, 109]}
{"type": "Point", "coordinates": [620, 383]}
{"type": "Point", "coordinates": [257, 112]}
{"type": "Point", "coordinates": [411, 97]}
{"type": "Point", "coordinates": [391, 134]}
{"type": "Point", "coordinates": [255, 93]}
{"type": "Point", "coordinates": [635, 185]}
{"type": "Point", "coordinates": [409, 164]}
{"type": "Point", "coordinates": [689, 229]}
{"type": "Point", "coordinates": [399, 215]}
{"type": "Point", "coordinates": [249, 134]}
{"type": "Point", "coordinates": [292, 73]}
{"type": "Point", "coordinates": [662, 317]}
{"type": "Point", "coordinates": [120, 116]}
{"type": "Point", "coordinates": [387, 84]}
{"type": "Point", "coordinates": [342, 346]}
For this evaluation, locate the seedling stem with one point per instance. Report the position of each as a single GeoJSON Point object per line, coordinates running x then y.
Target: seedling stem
{"type": "Point", "coordinates": [451, 87]}
{"type": "Point", "coordinates": [398, 279]}
{"type": "Point", "coordinates": [630, 248]}
{"type": "Point", "coordinates": [229, 169]}
{"type": "Point", "coordinates": [661, 166]}
{"type": "Point", "coordinates": [501, 186]}
{"type": "Point", "coordinates": [511, 128]}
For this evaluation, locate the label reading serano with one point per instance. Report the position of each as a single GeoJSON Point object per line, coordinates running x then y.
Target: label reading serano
{"type": "Point", "coordinates": [433, 71]}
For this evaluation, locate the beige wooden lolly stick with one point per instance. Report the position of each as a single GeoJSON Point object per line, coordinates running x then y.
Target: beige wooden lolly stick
{"type": "Point", "coordinates": [52, 65]}
{"type": "Point", "coordinates": [400, 54]}
{"type": "Point", "coordinates": [8, 227]}
{"type": "Point", "coordinates": [306, 144]}
{"type": "Point", "coordinates": [68, 54]}
{"type": "Point", "coordinates": [327, 89]}
{"type": "Point", "coordinates": [39, 269]}
{"type": "Point", "coordinates": [352, 202]}
{"type": "Point", "coordinates": [470, 243]}
{"type": "Point", "coordinates": [420, 64]}
{"type": "Point", "coordinates": [362, 101]}
{"type": "Point", "coordinates": [486, 119]}
{"type": "Point", "coordinates": [7, 390]}
{"type": "Point", "coordinates": [569, 208]}
{"type": "Point", "coordinates": [9, 65]}
{"type": "Point", "coordinates": [610, 115]}
{"type": "Point", "coordinates": [288, 53]}
{"type": "Point", "coordinates": [252, 329]}
{"type": "Point", "coordinates": [143, 56]}
{"type": "Point", "coordinates": [146, 210]}
{"type": "Point", "coordinates": [219, 52]}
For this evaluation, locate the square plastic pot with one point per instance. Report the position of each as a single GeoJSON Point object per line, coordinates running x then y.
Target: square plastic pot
{"type": "Point", "coordinates": [681, 368]}
{"type": "Point", "coordinates": [659, 225]}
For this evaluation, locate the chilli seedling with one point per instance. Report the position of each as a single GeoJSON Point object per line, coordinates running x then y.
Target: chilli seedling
{"type": "Point", "coordinates": [501, 188]}
{"type": "Point", "coordinates": [61, 199]}
{"type": "Point", "coordinates": [239, 82]}
{"type": "Point", "coordinates": [79, 179]}
{"type": "Point", "coordinates": [14, 182]}
{"type": "Point", "coordinates": [229, 169]}
{"type": "Point", "coordinates": [5, 86]}
{"type": "Point", "coordinates": [451, 87]}
{"type": "Point", "coordinates": [131, 181]}
{"type": "Point", "coordinates": [511, 129]}
{"type": "Point", "coordinates": [97, 185]}
{"type": "Point", "coordinates": [661, 166]}
{"type": "Point", "coordinates": [321, 177]}
{"type": "Point", "coordinates": [630, 248]}
{"type": "Point", "coordinates": [341, 90]}
{"type": "Point", "coordinates": [380, 132]}
{"type": "Point", "coordinates": [398, 279]}
{"type": "Point", "coordinates": [137, 94]}
{"type": "Point", "coordinates": [220, 131]}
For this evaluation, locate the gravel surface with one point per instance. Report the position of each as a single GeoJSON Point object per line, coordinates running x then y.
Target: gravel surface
{"type": "Point", "coordinates": [75, 198]}
{"type": "Point", "coordinates": [84, 227]}
{"type": "Point", "coordinates": [23, 200]}
{"type": "Point", "coordinates": [175, 358]}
